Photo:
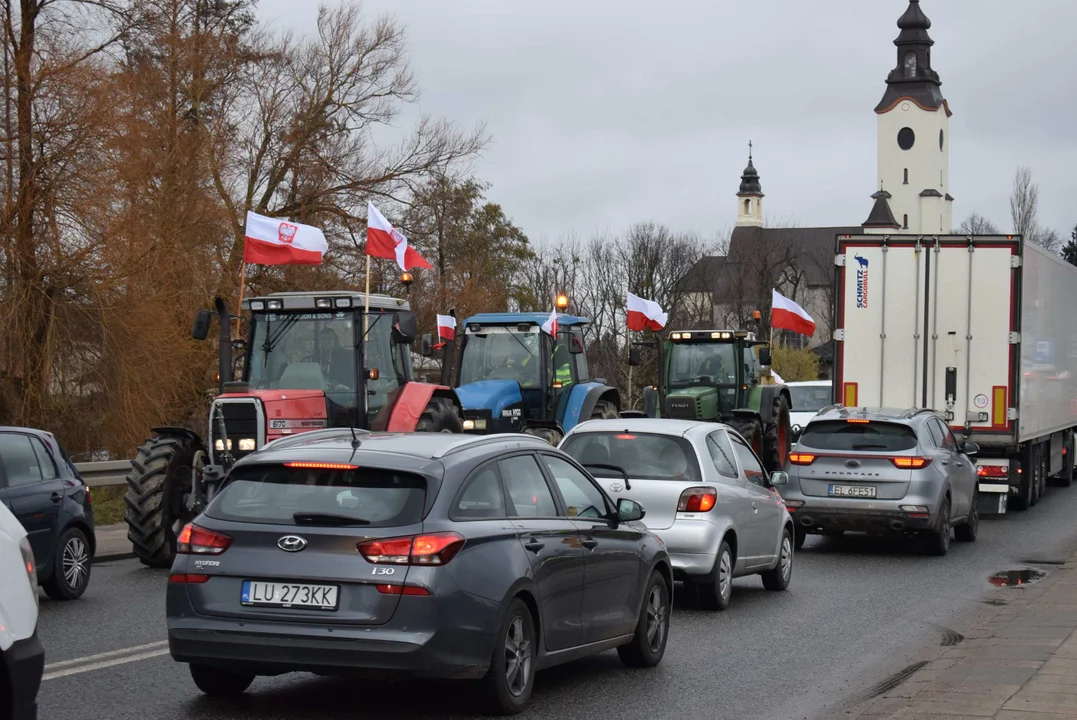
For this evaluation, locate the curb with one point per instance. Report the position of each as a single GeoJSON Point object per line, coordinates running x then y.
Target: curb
{"type": "Point", "coordinates": [110, 557]}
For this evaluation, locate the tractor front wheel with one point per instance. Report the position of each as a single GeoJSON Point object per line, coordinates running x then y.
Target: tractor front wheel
{"type": "Point", "coordinates": [440, 416]}
{"type": "Point", "coordinates": [605, 410]}
{"type": "Point", "coordinates": [157, 489]}
{"type": "Point", "coordinates": [777, 437]}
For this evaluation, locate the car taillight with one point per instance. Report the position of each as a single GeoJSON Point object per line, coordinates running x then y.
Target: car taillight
{"type": "Point", "coordinates": [801, 458]}
{"type": "Point", "coordinates": [89, 495]}
{"type": "Point", "coordinates": [792, 505]}
{"type": "Point", "coordinates": [31, 569]}
{"type": "Point", "coordinates": [432, 549]}
{"type": "Point", "coordinates": [911, 463]}
{"type": "Point", "coordinates": [697, 499]}
{"type": "Point", "coordinates": [196, 540]}
{"type": "Point", "coordinates": [993, 471]}
{"type": "Point", "coordinates": [403, 590]}
{"type": "Point", "coordinates": [188, 579]}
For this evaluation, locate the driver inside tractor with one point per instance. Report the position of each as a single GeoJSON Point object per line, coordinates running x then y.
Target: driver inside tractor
{"type": "Point", "coordinates": [691, 364]}
{"type": "Point", "coordinates": [502, 354]}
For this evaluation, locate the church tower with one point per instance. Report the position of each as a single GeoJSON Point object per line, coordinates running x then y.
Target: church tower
{"type": "Point", "coordinates": [913, 138]}
{"type": "Point", "coordinates": [750, 196]}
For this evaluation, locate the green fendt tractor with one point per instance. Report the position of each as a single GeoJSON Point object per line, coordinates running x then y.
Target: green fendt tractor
{"type": "Point", "coordinates": [723, 376]}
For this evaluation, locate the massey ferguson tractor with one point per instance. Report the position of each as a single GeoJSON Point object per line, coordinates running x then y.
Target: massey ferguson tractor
{"type": "Point", "coordinates": [514, 377]}
{"type": "Point", "coordinates": [724, 376]}
{"type": "Point", "coordinates": [311, 360]}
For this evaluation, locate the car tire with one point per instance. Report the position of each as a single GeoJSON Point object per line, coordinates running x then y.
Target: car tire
{"type": "Point", "coordinates": [967, 531]}
{"type": "Point", "coordinates": [777, 579]}
{"type": "Point", "coordinates": [70, 568]}
{"type": "Point", "coordinates": [938, 540]}
{"type": "Point", "coordinates": [219, 683]}
{"type": "Point", "coordinates": [799, 536]}
{"type": "Point", "coordinates": [718, 594]}
{"type": "Point", "coordinates": [504, 691]}
{"type": "Point", "coordinates": [652, 629]}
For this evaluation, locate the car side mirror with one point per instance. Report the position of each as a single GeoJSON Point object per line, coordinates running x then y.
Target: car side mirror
{"type": "Point", "coordinates": [428, 345]}
{"type": "Point", "coordinates": [635, 357]}
{"type": "Point", "coordinates": [971, 449]}
{"type": "Point", "coordinates": [778, 479]}
{"type": "Point", "coordinates": [200, 331]}
{"type": "Point", "coordinates": [405, 326]}
{"type": "Point", "coordinates": [629, 510]}
{"type": "Point", "coordinates": [764, 356]}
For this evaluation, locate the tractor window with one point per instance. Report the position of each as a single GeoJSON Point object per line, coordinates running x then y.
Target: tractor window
{"type": "Point", "coordinates": [381, 354]}
{"type": "Point", "coordinates": [583, 372]}
{"type": "Point", "coordinates": [501, 354]}
{"type": "Point", "coordinates": [302, 351]}
{"type": "Point", "coordinates": [751, 367]}
{"type": "Point", "coordinates": [702, 364]}
{"type": "Point", "coordinates": [562, 361]}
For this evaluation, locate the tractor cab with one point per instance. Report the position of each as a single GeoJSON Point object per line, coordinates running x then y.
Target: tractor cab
{"type": "Point", "coordinates": [514, 377]}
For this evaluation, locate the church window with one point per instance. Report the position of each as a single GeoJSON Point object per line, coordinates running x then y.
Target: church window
{"type": "Point", "coordinates": [910, 64]}
{"type": "Point", "coordinates": [906, 176]}
{"type": "Point", "coordinates": [905, 223]}
{"type": "Point", "coordinates": [906, 138]}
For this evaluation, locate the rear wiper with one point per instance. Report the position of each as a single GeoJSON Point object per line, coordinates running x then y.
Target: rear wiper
{"type": "Point", "coordinates": [311, 518]}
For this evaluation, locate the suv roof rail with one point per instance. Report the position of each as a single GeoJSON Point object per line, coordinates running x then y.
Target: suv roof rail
{"type": "Point", "coordinates": [831, 408]}
{"type": "Point", "coordinates": [309, 434]}
{"type": "Point", "coordinates": [917, 411]}
{"type": "Point", "coordinates": [472, 441]}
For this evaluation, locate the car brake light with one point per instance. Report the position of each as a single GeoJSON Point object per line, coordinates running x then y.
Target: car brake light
{"type": "Point", "coordinates": [801, 458]}
{"type": "Point", "coordinates": [403, 590]}
{"type": "Point", "coordinates": [993, 471]}
{"type": "Point", "coordinates": [432, 549]}
{"type": "Point", "coordinates": [911, 463]}
{"type": "Point", "coordinates": [89, 495]}
{"type": "Point", "coordinates": [697, 499]}
{"type": "Point", "coordinates": [320, 466]}
{"type": "Point", "coordinates": [625, 437]}
{"type": "Point", "coordinates": [792, 505]}
{"type": "Point", "coordinates": [195, 540]}
{"type": "Point", "coordinates": [859, 421]}
{"type": "Point", "coordinates": [188, 579]}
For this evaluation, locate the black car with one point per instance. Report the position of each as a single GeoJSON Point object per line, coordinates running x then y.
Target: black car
{"type": "Point", "coordinates": [424, 555]}
{"type": "Point", "coordinates": [41, 487]}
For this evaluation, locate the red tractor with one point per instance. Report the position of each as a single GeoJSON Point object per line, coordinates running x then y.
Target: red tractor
{"type": "Point", "coordinates": [312, 360]}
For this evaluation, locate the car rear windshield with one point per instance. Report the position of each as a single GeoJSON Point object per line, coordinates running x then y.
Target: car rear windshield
{"type": "Point", "coordinates": [311, 496]}
{"type": "Point", "coordinates": [858, 436]}
{"type": "Point", "coordinates": [642, 455]}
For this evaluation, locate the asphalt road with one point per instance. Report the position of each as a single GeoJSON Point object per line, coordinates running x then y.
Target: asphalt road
{"type": "Point", "coordinates": [858, 610]}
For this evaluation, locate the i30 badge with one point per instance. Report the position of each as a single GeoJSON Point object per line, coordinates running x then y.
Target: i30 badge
{"type": "Point", "coordinates": [291, 543]}
{"type": "Point", "coordinates": [616, 487]}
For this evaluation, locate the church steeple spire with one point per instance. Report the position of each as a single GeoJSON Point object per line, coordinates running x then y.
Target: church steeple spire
{"type": "Point", "coordinates": [913, 78]}
{"type": "Point", "coordinates": [750, 195]}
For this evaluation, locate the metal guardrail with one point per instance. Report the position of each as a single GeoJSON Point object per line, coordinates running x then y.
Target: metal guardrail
{"type": "Point", "coordinates": [104, 474]}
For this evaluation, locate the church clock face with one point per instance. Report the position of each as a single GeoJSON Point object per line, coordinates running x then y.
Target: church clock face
{"type": "Point", "coordinates": [906, 138]}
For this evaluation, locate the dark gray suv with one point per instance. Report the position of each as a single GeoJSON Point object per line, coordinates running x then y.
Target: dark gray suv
{"type": "Point", "coordinates": [882, 471]}
{"type": "Point", "coordinates": [430, 555]}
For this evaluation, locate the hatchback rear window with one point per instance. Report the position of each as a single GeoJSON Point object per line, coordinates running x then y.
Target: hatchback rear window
{"type": "Point", "coordinates": [642, 455]}
{"type": "Point", "coordinates": [306, 496]}
{"type": "Point", "coordinates": [858, 436]}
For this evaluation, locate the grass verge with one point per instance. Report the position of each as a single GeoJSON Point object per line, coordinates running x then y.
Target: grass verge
{"type": "Point", "coordinates": [108, 505]}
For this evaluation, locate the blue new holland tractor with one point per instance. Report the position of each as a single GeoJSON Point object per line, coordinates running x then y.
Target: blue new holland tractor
{"type": "Point", "coordinates": [515, 377]}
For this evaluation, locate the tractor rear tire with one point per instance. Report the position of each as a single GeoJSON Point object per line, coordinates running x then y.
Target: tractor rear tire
{"type": "Point", "coordinates": [160, 476]}
{"type": "Point", "coordinates": [440, 416]}
{"type": "Point", "coordinates": [605, 410]}
{"type": "Point", "coordinates": [777, 437]}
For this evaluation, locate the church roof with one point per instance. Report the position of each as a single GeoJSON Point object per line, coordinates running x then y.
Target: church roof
{"type": "Point", "coordinates": [881, 215]}
{"type": "Point", "coordinates": [749, 180]}
{"type": "Point", "coordinates": [913, 78]}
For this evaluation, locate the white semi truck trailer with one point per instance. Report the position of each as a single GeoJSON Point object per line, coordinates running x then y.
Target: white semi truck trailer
{"type": "Point", "coordinates": [982, 329]}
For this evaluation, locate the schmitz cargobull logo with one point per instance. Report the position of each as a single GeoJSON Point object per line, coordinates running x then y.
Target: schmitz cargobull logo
{"type": "Point", "coordinates": [861, 282]}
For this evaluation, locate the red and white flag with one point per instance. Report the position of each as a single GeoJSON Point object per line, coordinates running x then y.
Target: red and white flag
{"type": "Point", "coordinates": [787, 315]}
{"type": "Point", "coordinates": [385, 241]}
{"type": "Point", "coordinates": [550, 326]}
{"type": "Point", "coordinates": [446, 327]}
{"type": "Point", "coordinates": [645, 314]}
{"type": "Point", "coordinates": [275, 241]}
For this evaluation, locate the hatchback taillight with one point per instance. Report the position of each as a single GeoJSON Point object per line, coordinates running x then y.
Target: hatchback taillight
{"type": "Point", "coordinates": [431, 549]}
{"type": "Point", "coordinates": [697, 499]}
{"type": "Point", "coordinates": [196, 540]}
{"type": "Point", "coordinates": [911, 463]}
{"type": "Point", "coordinates": [801, 458]}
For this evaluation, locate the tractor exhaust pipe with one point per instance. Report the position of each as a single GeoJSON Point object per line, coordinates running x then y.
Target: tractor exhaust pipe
{"type": "Point", "coordinates": [224, 350]}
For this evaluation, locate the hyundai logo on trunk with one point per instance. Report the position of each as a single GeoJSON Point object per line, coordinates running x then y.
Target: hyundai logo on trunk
{"type": "Point", "coordinates": [291, 543]}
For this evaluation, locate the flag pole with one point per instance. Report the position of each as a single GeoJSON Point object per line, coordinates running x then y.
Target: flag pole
{"type": "Point", "coordinates": [628, 351]}
{"type": "Point", "coordinates": [242, 283]}
{"type": "Point", "coordinates": [366, 309]}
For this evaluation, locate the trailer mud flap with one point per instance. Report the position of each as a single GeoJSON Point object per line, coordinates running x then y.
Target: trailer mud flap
{"type": "Point", "coordinates": [992, 503]}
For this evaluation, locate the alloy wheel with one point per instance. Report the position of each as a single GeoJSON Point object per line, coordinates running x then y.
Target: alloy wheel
{"type": "Point", "coordinates": [76, 561]}
{"type": "Point", "coordinates": [656, 619]}
{"type": "Point", "coordinates": [517, 657]}
{"type": "Point", "coordinates": [725, 575]}
{"type": "Point", "coordinates": [786, 558]}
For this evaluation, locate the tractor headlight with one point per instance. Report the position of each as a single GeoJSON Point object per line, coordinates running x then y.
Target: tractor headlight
{"type": "Point", "coordinates": [323, 303]}
{"type": "Point", "coordinates": [480, 424]}
{"type": "Point", "coordinates": [274, 304]}
{"type": "Point", "coordinates": [246, 445]}
{"type": "Point", "coordinates": [469, 424]}
{"type": "Point", "coordinates": [218, 445]}
{"type": "Point", "coordinates": [258, 305]}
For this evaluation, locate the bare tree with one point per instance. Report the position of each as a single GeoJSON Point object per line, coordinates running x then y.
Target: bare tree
{"type": "Point", "coordinates": [1024, 203]}
{"type": "Point", "coordinates": [1050, 240]}
{"type": "Point", "coordinates": [976, 224]}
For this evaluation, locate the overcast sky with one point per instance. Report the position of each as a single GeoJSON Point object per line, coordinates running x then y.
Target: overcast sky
{"type": "Point", "coordinates": [608, 112]}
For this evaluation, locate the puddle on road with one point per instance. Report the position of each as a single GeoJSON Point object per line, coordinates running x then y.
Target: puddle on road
{"type": "Point", "coordinates": [1015, 578]}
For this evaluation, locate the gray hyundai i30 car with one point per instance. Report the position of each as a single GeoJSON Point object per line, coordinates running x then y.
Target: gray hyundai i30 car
{"type": "Point", "coordinates": [429, 555]}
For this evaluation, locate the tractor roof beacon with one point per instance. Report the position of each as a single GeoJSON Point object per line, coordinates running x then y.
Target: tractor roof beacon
{"type": "Point", "coordinates": [723, 376]}
{"type": "Point", "coordinates": [514, 377]}
{"type": "Point", "coordinates": [310, 360]}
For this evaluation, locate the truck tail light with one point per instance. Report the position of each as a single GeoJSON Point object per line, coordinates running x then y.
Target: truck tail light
{"type": "Point", "coordinates": [1001, 472]}
{"type": "Point", "coordinates": [697, 499]}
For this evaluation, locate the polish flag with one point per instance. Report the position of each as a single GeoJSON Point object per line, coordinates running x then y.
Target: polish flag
{"type": "Point", "coordinates": [273, 241]}
{"type": "Point", "coordinates": [645, 314]}
{"type": "Point", "coordinates": [787, 315]}
{"type": "Point", "coordinates": [550, 326]}
{"type": "Point", "coordinates": [777, 378]}
{"type": "Point", "coordinates": [446, 327]}
{"type": "Point", "coordinates": [385, 241]}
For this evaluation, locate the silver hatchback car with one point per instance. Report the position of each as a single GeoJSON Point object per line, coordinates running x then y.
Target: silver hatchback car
{"type": "Point", "coordinates": [707, 496]}
{"type": "Point", "coordinates": [883, 471]}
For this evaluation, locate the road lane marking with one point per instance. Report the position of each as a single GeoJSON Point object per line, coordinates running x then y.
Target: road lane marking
{"type": "Point", "coordinates": [104, 660]}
